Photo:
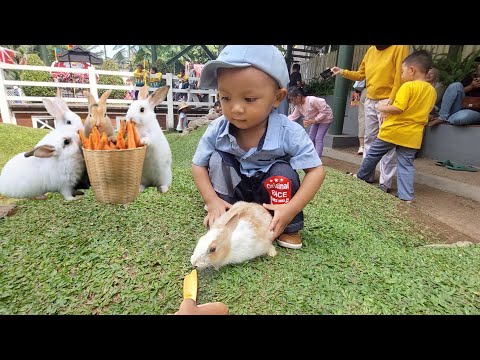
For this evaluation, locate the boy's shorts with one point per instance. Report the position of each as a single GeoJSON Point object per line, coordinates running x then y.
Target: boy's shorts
{"type": "Point", "coordinates": [277, 186]}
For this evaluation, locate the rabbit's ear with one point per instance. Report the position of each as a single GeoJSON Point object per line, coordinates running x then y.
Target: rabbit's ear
{"type": "Point", "coordinates": [91, 99]}
{"type": "Point", "coordinates": [52, 108]}
{"type": "Point", "coordinates": [220, 247]}
{"type": "Point", "coordinates": [42, 151]}
{"type": "Point", "coordinates": [104, 97]}
{"type": "Point", "coordinates": [143, 93]}
{"type": "Point", "coordinates": [61, 104]}
{"type": "Point", "coordinates": [158, 96]}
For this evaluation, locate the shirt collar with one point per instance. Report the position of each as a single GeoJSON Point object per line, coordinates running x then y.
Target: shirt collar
{"type": "Point", "coordinates": [272, 137]}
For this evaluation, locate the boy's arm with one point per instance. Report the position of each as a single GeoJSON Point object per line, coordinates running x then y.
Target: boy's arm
{"type": "Point", "coordinates": [389, 109]}
{"type": "Point", "coordinates": [283, 214]}
{"type": "Point", "coordinates": [216, 206]}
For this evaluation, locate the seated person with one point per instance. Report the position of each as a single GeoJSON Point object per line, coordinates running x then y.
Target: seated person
{"type": "Point", "coordinates": [434, 80]}
{"type": "Point", "coordinates": [213, 113]}
{"type": "Point", "coordinates": [182, 84]}
{"type": "Point", "coordinates": [155, 78]}
{"type": "Point", "coordinates": [451, 110]}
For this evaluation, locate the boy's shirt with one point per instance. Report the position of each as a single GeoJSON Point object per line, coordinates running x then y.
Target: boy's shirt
{"type": "Point", "coordinates": [416, 99]}
{"type": "Point", "coordinates": [154, 80]}
{"type": "Point", "coordinates": [284, 141]}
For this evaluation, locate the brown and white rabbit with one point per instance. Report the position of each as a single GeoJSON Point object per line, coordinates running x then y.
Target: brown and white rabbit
{"type": "Point", "coordinates": [97, 116]}
{"type": "Point", "coordinates": [157, 166]}
{"type": "Point", "coordinates": [238, 235]}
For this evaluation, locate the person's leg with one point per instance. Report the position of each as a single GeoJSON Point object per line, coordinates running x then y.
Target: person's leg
{"type": "Point", "coordinates": [371, 129]}
{"type": "Point", "coordinates": [406, 172]}
{"type": "Point", "coordinates": [361, 122]}
{"type": "Point", "coordinates": [224, 174]}
{"type": "Point", "coordinates": [465, 117]}
{"type": "Point", "coordinates": [321, 131]}
{"type": "Point", "coordinates": [376, 151]}
{"type": "Point", "coordinates": [278, 186]}
{"type": "Point", "coordinates": [451, 100]}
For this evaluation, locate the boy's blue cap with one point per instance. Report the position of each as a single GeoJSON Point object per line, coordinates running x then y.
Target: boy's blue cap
{"type": "Point", "coordinates": [264, 57]}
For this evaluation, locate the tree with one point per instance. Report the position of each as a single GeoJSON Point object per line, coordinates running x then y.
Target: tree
{"type": "Point", "coordinates": [29, 75]}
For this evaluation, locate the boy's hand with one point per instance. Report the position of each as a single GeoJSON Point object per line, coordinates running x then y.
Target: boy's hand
{"type": "Point", "coordinates": [281, 218]}
{"type": "Point", "coordinates": [216, 209]}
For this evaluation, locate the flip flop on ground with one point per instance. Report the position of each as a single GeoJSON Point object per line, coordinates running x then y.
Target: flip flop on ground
{"type": "Point", "coordinates": [459, 167]}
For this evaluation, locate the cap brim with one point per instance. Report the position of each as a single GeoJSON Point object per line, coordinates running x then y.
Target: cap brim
{"type": "Point", "coordinates": [208, 78]}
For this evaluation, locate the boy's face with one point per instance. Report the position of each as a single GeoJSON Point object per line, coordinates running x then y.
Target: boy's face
{"type": "Point", "coordinates": [407, 72]}
{"type": "Point", "coordinates": [247, 96]}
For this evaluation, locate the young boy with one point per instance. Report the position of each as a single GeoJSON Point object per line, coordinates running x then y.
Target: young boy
{"type": "Point", "coordinates": [403, 128]}
{"type": "Point", "coordinates": [252, 152]}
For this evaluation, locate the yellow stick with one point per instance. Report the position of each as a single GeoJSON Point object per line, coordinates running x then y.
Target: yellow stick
{"type": "Point", "coordinates": [190, 285]}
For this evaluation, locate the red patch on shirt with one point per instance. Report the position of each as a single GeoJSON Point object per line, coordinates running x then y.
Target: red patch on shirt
{"type": "Point", "coordinates": [279, 188]}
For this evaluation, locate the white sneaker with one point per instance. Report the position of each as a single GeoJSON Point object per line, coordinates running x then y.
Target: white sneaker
{"type": "Point", "coordinates": [360, 150]}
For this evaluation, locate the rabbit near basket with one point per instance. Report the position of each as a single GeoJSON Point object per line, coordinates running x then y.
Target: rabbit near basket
{"type": "Point", "coordinates": [157, 166]}
{"type": "Point", "coordinates": [97, 116]}
{"type": "Point", "coordinates": [64, 117]}
{"type": "Point", "coordinates": [55, 164]}
{"type": "Point", "coordinates": [58, 108]}
{"type": "Point", "coordinates": [238, 235]}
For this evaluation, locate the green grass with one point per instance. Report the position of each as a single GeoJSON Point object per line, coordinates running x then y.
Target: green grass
{"type": "Point", "coordinates": [360, 254]}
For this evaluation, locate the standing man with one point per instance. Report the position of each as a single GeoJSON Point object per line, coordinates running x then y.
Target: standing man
{"type": "Point", "coordinates": [382, 68]}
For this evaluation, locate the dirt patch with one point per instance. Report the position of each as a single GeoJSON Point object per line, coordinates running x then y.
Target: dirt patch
{"type": "Point", "coordinates": [451, 217]}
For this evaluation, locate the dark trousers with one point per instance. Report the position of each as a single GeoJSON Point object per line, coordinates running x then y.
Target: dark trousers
{"type": "Point", "coordinates": [232, 186]}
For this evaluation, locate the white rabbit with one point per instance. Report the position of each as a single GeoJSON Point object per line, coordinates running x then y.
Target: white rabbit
{"type": "Point", "coordinates": [238, 235]}
{"type": "Point", "coordinates": [157, 167]}
{"type": "Point", "coordinates": [63, 115]}
{"type": "Point", "coordinates": [55, 164]}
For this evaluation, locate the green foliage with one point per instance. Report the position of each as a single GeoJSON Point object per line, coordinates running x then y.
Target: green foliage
{"type": "Point", "coordinates": [318, 87]}
{"type": "Point", "coordinates": [111, 65]}
{"type": "Point", "coordinates": [453, 70]}
{"type": "Point", "coordinates": [29, 75]}
{"type": "Point", "coordinates": [361, 255]}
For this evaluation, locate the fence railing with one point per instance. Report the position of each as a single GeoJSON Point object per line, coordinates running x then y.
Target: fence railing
{"type": "Point", "coordinates": [8, 99]}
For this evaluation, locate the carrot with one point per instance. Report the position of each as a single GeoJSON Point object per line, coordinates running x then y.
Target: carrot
{"type": "Point", "coordinates": [91, 142]}
{"type": "Point", "coordinates": [82, 138]}
{"type": "Point", "coordinates": [121, 143]}
{"type": "Point", "coordinates": [136, 137]}
{"type": "Point", "coordinates": [130, 136]}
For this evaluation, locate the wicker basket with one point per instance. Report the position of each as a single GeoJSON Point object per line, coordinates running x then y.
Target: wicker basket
{"type": "Point", "coordinates": [115, 174]}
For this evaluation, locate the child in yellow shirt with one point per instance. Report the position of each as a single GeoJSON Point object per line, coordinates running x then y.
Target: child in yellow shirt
{"type": "Point", "coordinates": [403, 127]}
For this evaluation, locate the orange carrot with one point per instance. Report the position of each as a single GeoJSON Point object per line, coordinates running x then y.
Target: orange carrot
{"type": "Point", "coordinates": [136, 137]}
{"type": "Point", "coordinates": [130, 136]}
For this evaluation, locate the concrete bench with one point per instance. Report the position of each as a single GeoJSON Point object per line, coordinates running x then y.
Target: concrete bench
{"type": "Point", "coordinates": [455, 143]}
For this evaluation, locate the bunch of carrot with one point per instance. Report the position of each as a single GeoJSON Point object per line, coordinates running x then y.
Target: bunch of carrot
{"type": "Point", "coordinates": [101, 142]}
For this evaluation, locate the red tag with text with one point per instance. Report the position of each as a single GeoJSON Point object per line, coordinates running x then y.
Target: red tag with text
{"type": "Point", "coordinates": [279, 188]}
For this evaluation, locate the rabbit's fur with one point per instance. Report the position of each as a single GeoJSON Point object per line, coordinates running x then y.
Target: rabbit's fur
{"type": "Point", "coordinates": [157, 167]}
{"type": "Point", "coordinates": [238, 235]}
{"type": "Point", "coordinates": [55, 164]}
{"type": "Point", "coordinates": [97, 116]}
{"type": "Point", "coordinates": [58, 108]}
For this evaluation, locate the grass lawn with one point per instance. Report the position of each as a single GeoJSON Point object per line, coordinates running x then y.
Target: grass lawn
{"type": "Point", "coordinates": [360, 254]}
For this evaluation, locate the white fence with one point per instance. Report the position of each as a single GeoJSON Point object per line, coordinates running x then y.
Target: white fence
{"type": "Point", "coordinates": [9, 100]}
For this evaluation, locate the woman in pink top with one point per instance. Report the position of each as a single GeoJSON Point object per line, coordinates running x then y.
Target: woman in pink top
{"type": "Point", "coordinates": [316, 113]}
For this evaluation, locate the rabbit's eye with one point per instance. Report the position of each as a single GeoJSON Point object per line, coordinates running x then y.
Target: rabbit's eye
{"type": "Point", "coordinates": [212, 250]}
{"type": "Point", "coordinates": [66, 141]}
{"type": "Point", "coordinates": [69, 122]}
{"type": "Point", "coordinates": [142, 109]}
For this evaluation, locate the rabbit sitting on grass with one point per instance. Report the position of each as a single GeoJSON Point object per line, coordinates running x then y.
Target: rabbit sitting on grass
{"type": "Point", "coordinates": [55, 164]}
{"type": "Point", "coordinates": [238, 235]}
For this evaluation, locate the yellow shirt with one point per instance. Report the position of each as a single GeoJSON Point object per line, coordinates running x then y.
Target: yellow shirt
{"type": "Point", "coordinates": [416, 99]}
{"type": "Point", "coordinates": [382, 69]}
{"type": "Point", "coordinates": [154, 80]}
{"type": "Point", "coordinates": [140, 76]}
